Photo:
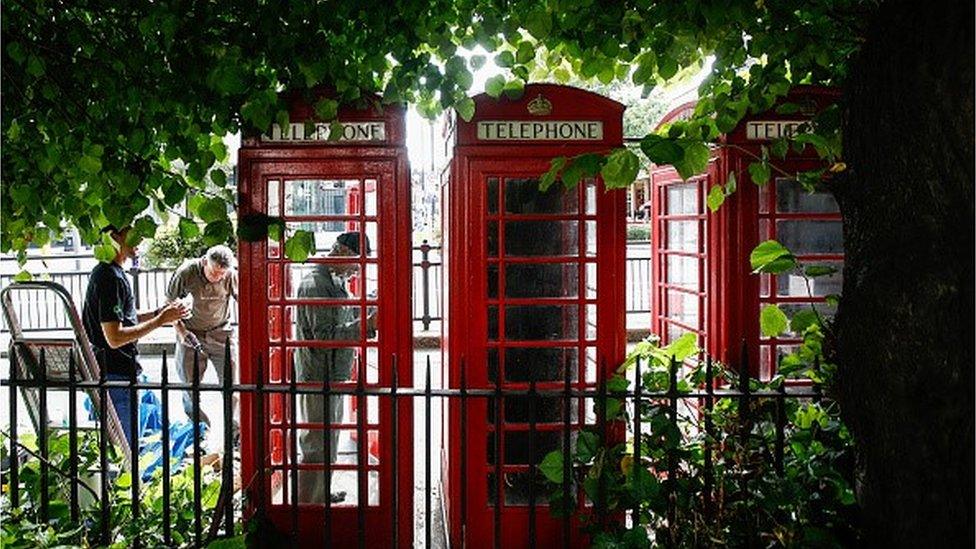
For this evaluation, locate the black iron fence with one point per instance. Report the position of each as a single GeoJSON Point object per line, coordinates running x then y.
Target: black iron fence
{"type": "Point", "coordinates": [29, 373]}
{"type": "Point", "coordinates": [149, 288]}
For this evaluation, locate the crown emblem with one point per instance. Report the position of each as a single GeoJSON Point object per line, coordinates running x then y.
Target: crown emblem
{"type": "Point", "coordinates": [540, 106]}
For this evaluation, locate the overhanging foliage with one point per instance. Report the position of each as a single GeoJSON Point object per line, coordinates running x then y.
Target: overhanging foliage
{"type": "Point", "coordinates": [111, 109]}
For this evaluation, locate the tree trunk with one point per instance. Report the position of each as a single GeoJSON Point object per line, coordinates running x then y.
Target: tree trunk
{"type": "Point", "coordinates": [905, 326]}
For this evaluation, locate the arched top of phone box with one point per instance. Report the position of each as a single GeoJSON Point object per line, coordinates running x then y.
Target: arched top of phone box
{"type": "Point", "coordinates": [366, 122]}
{"type": "Point", "coordinates": [545, 114]}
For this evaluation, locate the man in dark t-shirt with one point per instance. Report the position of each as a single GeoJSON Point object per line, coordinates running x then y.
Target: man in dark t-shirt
{"type": "Point", "coordinates": [113, 325]}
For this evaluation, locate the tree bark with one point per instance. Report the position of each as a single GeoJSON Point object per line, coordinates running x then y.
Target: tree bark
{"type": "Point", "coordinates": [905, 327]}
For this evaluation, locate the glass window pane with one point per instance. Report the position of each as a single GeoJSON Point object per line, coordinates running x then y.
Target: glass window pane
{"type": "Point", "coordinates": [371, 190]}
{"type": "Point", "coordinates": [309, 366]}
{"type": "Point", "coordinates": [794, 285]}
{"type": "Point", "coordinates": [536, 280]}
{"type": "Point", "coordinates": [274, 323]}
{"type": "Point", "coordinates": [493, 323]}
{"type": "Point", "coordinates": [683, 308]}
{"type": "Point", "coordinates": [591, 235]}
{"type": "Point", "coordinates": [682, 271]}
{"type": "Point", "coordinates": [323, 281]}
{"type": "Point", "coordinates": [323, 197]}
{"type": "Point", "coordinates": [590, 196]}
{"type": "Point", "coordinates": [826, 312]}
{"type": "Point", "coordinates": [547, 364]}
{"type": "Point", "coordinates": [683, 236]}
{"type": "Point", "coordinates": [811, 237]}
{"type": "Point", "coordinates": [274, 281]}
{"type": "Point", "coordinates": [274, 200]}
{"type": "Point", "coordinates": [491, 239]}
{"type": "Point", "coordinates": [548, 409]}
{"type": "Point", "coordinates": [323, 323]}
{"type": "Point", "coordinates": [541, 322]}
{"type": "Point", "coordinates": [792, 197]}
{"type": "Point", "coordinates": [591, 280]}
{"type": "Point", "coordinates": [682, 198]}
{"type": "Point", "coordinates": [348, 234]}
{"type": "Point", "coordinates": [311, 486]}
{"type": "Point", "coordinates": [491, 200]}
{"type": "Point", "coordinates": [522, 196]}
{"type": "Point", "coordinates": [517, 446]}
{"type": "Point", "coordinates": [541, 238]}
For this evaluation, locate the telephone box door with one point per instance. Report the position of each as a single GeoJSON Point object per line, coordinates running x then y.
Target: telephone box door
{"type": "Point", "coordinates": [542, 313]}
{"type": "Point", "coordinates": [322, 456]}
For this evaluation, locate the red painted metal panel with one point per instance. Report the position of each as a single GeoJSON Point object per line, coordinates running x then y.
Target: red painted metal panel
{"type": "Point", "coordinates": [732, 292]}
{"type": "Point", "coordinates": [374, 167]}
{"type": "Point", "coordinates": [469, 221]}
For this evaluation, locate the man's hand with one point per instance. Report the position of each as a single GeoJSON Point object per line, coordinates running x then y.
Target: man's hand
{"type": "Point", "coordinates": [172, 312]}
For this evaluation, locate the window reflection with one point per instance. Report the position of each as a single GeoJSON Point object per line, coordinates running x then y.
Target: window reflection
{"type": "Point", "coordinates": [323, 197]}
{"type": "Point", "coordinates": [522, 196]}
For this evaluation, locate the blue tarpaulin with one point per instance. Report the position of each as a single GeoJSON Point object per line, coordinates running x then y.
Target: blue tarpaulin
{"type": "Point", "coordinates": [150, 437]}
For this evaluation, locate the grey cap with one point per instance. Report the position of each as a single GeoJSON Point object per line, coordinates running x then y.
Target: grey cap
{"type": "Point", "coordinates": [351, 241]}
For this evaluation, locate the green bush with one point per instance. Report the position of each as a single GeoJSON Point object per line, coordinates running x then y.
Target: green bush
{"type": "Point", "coordinates": [638, 232]}
{"type": "Point", "coordinates": [750, 504]}
{"type": "Point", "coordinates": [22, 527]}
{"type": "Point", "coordinates": [168, 249]}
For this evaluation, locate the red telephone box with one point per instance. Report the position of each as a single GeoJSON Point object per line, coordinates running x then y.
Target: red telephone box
{"type": "Point", "coordinates": [536, 292]}
{"type": "Point", "coordinates": [343, 315]}
{"type": "Point", "coordinates": [702, 281]}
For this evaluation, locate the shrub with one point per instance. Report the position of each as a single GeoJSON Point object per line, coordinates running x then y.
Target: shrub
{"type": "Point", "coordinates": [749, 504]}
{"type": "Point", "coordinates": [638, 232]}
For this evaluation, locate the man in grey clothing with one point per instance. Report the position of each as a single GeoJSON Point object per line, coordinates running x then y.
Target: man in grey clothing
{"type": "Point", "coordinates": [333, 323]}
{"type": "Point", "coordinates": [211, 281]}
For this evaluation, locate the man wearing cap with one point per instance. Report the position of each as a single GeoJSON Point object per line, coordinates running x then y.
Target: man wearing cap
{"type": "Point", "coordinates": [211, 281]}
{"type": "Point", "coordinates": [113, 326]}
{"type": "Point", "coordinates": [325, 323]}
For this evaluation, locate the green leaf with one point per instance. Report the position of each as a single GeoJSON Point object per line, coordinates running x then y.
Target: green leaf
{"type": "Point", "coordinates": [299, 246]}
{"type": "Point", "coordinates": [620, 169]}
{"type": "Point", "coordinates": [495, 85]}
{"type": "Point", "coordinates": [587, 446]}
{"type": "Point", "coordinates": [803, 319]}
{"type": "Point", "coordinates": [771, 257]}
{"type": "Point", "coordinates": [24, 276]}
{"type": "Point", "coordinates": [35, 67]}
{"type": "Point", "coordinates": [90, 164]}
{"type": "Point", "coordinates": [465, 109]}
{"type": "Point", "coordinates": [667, 67]}
{"type": "Point", "coordinates": [326, 109]}
{"type": "Point", "coordinates": [218, 177]}
{"type": "Point", "coordinates": [814, 271]}
{"type": "Point", "coordinates": [661, 150]}
{"type": "Point", "coordinates": [552, 466]}
{"type": "Point", "coordinates": [505, 59]}
{"type": "Point", "coordinates": [217, 232]}
{"type": "Point", "coordinates": [715, 198]}
{"type": "Point", "coordinates": [731, 184]}
{"type": "Point", "coordinates": [514, 89]}
{"type": "Point", "coordinates": [538, 22]}
{"type": "Point", "coordinates": [694, 160]}
{"type": "Point", "coordinates": [525, 52]}
{"type": "Point", "coordinates": [555, 166]}
{"type": "Point", "coordinates": [772, 321]}
{"type": "Point", "coordinates": [212, 209]}
{"type": "Point", "coordinates": [188, 229]}
{"type": "Point", "coordinates": [683, 347]}
{"type": "Point", "coordinates": [106, 250]}
{"type": "Point", "coordinates": [477, 61]}
{"type": "Point", "coordinates": [759, 172]}
{"type": "Point", "coordinates": [780, 147]}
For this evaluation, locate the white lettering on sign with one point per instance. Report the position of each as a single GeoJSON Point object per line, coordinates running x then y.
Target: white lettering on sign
{"type": "Point", "coordinates": [351, 131]}
{"type": "Point", "coordinates": [767, 130]}
{"type": "Point", "coordinates": [541, 130]}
